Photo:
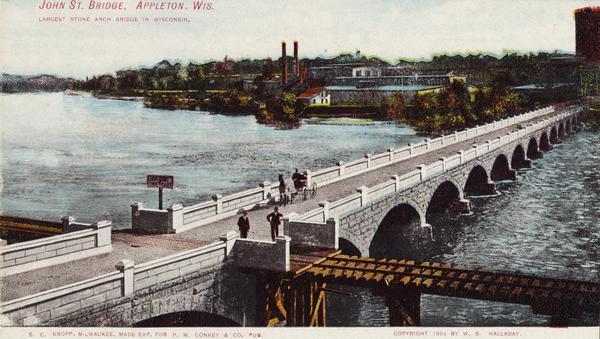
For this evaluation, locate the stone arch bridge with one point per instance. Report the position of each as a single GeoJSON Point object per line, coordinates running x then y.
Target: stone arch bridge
{"type": "Point", "coordinates": [405, 205]}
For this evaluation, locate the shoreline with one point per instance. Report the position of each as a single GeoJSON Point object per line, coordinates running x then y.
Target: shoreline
{"type": "Point", "coordinates": [312, 117]}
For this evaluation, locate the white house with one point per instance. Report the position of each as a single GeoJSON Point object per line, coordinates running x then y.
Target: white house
{"type": "Point", "coordinates": [315, 96]}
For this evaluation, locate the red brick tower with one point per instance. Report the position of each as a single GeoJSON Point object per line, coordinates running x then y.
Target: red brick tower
{"type": "Point", "coordinates": [587, 34]}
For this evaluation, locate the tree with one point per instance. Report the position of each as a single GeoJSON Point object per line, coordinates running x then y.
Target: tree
{"type": "Point", "coordinates": [393, 107]}
{"type": "Point", "coordinates": [423, 105]}
{"type": "Point", "coordinates": [180, 77]}
{"type": "Point", "coordinates": [196, 77]}
{"type": "Point", "coordinates": [268, 69]}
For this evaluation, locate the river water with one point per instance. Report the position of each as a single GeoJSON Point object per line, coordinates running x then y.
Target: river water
{"type": "Point", "coordinates": [86, 157]}
{"type": "Point", "coordinates": [77, 155]}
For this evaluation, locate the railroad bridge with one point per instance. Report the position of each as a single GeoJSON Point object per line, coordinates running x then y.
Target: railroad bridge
{"type": "Point", "coordinates": [170, 264]}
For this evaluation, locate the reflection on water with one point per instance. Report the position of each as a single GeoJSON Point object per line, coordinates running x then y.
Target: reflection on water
{"type": "Point", "coordinates": [89, 158]}
{"type": "Point", "coordinates": [545, 223]}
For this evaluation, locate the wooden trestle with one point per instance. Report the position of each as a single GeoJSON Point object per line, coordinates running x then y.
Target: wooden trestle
{"type": "Point", "coordinates": [298, 298]}
{"type": "Point", "coordinates": [292, 298]}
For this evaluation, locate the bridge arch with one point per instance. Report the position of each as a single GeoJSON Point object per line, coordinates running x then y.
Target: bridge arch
{"type": "Point", "coordinates": [545, 141]}
{"type": "Point", "coordinates": [501, 169]}
{"type": "Point", "coordinates": [533, 150]}
{"type": "Point", "coordinates": [163, 307]}
{"type": "Point", "coordinates": [519, 157]}
{"type": "Point", "coordinates": [568, 126]}
{"type": "Point", "coordinates": [187, 319]}
{"type": "Point", "coordinates": [348, 247]}
{"type": "Point", "coordinates": [445, 196]}
{"type": "Point", "coordinates": [397, 231]}
{"type": "Point", "coordinates": [478, 182]}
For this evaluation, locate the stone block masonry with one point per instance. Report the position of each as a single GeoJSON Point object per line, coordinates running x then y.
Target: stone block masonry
{"type": "Point", "coordinates": [263, 255]}
{"type": "Point", "coordinates": [201, 279]}
{"type": "Point", "coordinates": [83, 240]}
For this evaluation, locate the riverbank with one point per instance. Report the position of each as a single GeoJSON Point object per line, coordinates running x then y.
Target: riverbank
{"type": "Point", "coordinates": [228, 102]}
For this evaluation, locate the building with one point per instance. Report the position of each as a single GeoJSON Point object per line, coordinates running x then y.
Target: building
{"type": "Point", "coordinates": [587, 34]}
{"type": "Point", "coordinates": [315, 96]}
{"type": "Point", "coordinates": [366, 71]}
{"type": "Point", "coordinates": [550, 92]}
{"type": "Point", "coordinates": [374, 95]}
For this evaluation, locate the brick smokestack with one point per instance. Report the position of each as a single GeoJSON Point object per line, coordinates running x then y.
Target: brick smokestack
{"type": "Point", "coordinates": [296, 62]}
{"type": "Point", "coordinates": [284, 72]}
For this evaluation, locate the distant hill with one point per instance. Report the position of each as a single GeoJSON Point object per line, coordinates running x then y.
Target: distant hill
{"type": "Point", "coordinates": [10, 83]}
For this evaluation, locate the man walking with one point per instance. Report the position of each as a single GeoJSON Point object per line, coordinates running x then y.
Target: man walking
{"type": "Point", "coordinates": [275, 220]}
{"type": "Point", "coordinates": [244, 225]}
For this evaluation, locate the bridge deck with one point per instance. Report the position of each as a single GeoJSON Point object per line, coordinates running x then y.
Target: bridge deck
{"type": "Point", "coordinates": [545, 295]}
{"type": "Point", "coordinates": [153, 247]}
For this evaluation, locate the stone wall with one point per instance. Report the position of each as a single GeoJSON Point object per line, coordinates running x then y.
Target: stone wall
{"type": "Point", "coordinates": [201, 279]}
{"type": "Point", "coordinates": [263, 255]}
{"type": "Point", "coordinates": [83, 240]}
{"type": "Point", "coordinates": [312, 234]}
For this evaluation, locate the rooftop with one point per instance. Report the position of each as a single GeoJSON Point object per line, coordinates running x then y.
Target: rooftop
{"type": "Point", "coordinates": [542, 86]}
{"type": "Point", "coordinates": [311, 92]}
{"type": "Point", "coordinates": [398, 88]}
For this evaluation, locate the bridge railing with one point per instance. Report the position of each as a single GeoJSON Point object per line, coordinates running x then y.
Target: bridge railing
{"type": "Point", "coordinates": [344, 170]}
{"type": "Point", "coordinates": [58, 302]}
{"type": "Point", "coordinates": [424, 172]}
{"type": "Point", "coordinates": [178, 219]}
{"type": "Point", "coordinates": [80, 241]}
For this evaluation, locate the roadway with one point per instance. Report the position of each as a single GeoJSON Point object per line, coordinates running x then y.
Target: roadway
{"type": "Point", "coordinates": [143, 248]}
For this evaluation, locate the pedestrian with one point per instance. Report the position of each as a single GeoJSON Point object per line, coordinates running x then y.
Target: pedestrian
{"type": "Point", "coordinates": [296, 179]}
{"type": "Point", "coordinates": [244, 225]}
{"type": "Point", "coordinates": [275, 220]}
{"type": "Point", "coordinates": [283, 197]}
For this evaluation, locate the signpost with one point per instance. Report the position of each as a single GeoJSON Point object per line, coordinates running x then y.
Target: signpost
{"type": "Point", "coordinates": [160, 181]}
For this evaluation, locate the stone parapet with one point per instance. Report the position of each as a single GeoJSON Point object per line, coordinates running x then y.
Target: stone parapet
{"type": "Point", "coordinates": [82, 240]}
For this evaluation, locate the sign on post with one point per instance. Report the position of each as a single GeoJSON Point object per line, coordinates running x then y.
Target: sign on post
{"type": "Point", "coordinates": [161, 181]}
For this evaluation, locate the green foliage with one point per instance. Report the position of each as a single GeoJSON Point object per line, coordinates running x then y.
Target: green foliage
{"type": "Point", "coordinates": [452, 108]}
{"type": "Point", "coordinates": [281, 111]}
{"type": "Point", "coordinates": [393, 108]}
{"type": "Point", "coordinates": [289, 99]}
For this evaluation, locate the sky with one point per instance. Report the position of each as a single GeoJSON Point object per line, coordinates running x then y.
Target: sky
{"type": "Point", "coordinates": [255, 28]}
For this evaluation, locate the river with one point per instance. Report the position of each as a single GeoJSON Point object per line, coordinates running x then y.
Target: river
{"type": "Point", "coordinates": [77, 155]}
{"type": "Point", "coordinates": [86, 157]}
